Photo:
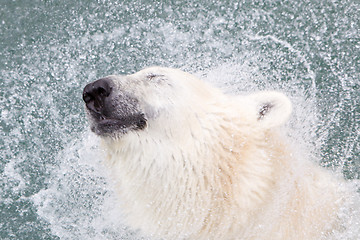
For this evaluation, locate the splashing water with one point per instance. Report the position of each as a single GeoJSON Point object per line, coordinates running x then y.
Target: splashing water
{"type": "Point", "coordinates": [53, 185]}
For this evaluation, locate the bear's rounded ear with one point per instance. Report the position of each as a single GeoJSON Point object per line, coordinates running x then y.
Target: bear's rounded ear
{"type": "Point", "coordinates": [271, 108]}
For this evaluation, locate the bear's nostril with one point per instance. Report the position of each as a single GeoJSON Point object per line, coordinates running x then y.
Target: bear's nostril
{"type": "Point", "coordinates": [87, 98]}
{"type": "Point", "coordinates": [97, 90]}
{"type": "Point", "coordinates": [103, 92]}
{"type": "Point", "coordinates": [95, 94]}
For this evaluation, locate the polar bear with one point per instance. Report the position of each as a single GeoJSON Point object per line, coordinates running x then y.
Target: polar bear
{"type": "Point", "coordinates": [191, 162]}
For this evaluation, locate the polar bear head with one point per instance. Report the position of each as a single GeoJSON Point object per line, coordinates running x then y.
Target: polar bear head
{"type": "Point", "coordinates": [184, 155]}
{"type": "Point", "coordinates": [157, 99]}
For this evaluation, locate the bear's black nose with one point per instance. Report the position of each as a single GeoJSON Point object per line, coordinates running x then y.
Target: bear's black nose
{"type": "Point", "coordinates": [96, 93]}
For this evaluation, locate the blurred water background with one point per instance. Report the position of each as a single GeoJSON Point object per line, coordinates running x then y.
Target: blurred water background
{"type": "Point", "coordinates": [52, 184]}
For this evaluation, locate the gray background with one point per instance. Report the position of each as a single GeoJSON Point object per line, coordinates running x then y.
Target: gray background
{"type": "Point", "coordinates": [52, 185]}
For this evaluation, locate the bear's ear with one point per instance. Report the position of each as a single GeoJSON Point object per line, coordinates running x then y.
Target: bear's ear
{"type": "Point", "coordinates": [271, 108]}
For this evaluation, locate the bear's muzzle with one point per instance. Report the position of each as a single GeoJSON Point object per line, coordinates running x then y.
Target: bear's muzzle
{"type": "Point", "coordinates": [110, 110]}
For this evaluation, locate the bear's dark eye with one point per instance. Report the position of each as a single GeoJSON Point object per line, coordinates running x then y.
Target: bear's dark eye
{"type": "Point", "coordinates": [264, 110]}
{"type": "Point", "coordinates": [152, 76]}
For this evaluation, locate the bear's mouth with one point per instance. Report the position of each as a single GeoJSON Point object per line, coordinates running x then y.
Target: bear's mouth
{"type": "Point", "coordinates": [105, 126]}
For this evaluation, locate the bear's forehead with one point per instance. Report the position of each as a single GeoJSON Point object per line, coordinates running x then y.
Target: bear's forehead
{"type": "Point", "coordinates": [151, 72]}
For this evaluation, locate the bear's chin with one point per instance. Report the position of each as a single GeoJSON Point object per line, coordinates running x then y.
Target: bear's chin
{"type": "Point", "coordinates": [111, 127]}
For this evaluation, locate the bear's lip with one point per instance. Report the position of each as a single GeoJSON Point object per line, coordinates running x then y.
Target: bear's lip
{"type": "Point", "coordinates": [103, 125]}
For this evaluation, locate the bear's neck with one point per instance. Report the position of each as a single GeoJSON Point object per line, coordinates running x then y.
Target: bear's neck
{"type": "Point", "coordinates": [191, 181]}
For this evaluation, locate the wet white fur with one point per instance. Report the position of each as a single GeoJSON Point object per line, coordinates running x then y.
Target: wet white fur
{"type": "Point", "coordinates": [208, 167]}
